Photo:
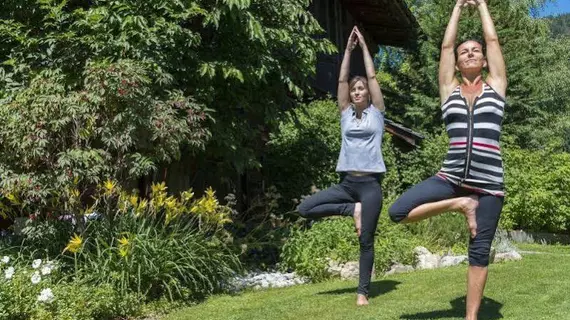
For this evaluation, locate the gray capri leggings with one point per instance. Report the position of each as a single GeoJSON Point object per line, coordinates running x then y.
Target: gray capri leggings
{"type": "Point", "coordinates": [436, 189]}
{"type": "Point", "coordinates": [339, 200]}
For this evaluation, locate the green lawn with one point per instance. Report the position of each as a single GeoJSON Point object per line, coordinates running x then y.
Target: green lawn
{"type": "Point", "coordinates": [537, 287]}
{"type": "Point", "coordinates": [555, 249]}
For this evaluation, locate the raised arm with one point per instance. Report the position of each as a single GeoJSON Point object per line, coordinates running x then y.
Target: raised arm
{"type": "Point", "coordinates": [343, 94]}
{"type": "Point", "coordinates": [373, 86]}
{"type": "Point", "coordinates": [447, 79]}
{"type": "Point", "coordinates": [497, 77]}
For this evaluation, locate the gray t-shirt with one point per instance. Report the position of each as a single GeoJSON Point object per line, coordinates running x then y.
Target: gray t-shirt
{"type": "Point", "coordinates": [361, 148]}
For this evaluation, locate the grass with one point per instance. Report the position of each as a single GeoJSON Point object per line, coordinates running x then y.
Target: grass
{"type": "Point", "coordinates": [535, 247]}
{"type": "Point", "coordinates": [535, 288]}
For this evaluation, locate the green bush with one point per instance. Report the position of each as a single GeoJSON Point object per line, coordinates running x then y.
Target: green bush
{"type": "Point", "coordinates": [538, 190]}
{"type": "Point", "coordinates": [307, 250]}
{"type": "Point", "coordinates": [304, 151]}
{"type": "Point", "coordinates": [161, 247]}
{"type": "Point", "coordinates": [38, 290]}
{"type": "Point", "coordinates": [164, 246]}
{"type": "Point", "coordinates": [114, 125]}
{"type": "Point", "coordinates": [189, 46]}
{"type": "Point", "coordinates": [423, 162]}
{"type": "Point", "coordinates": [442, 233]}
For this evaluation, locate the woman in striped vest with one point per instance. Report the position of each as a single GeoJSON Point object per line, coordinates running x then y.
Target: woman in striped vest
{"type": "Point", "coordinates": [471, 178]}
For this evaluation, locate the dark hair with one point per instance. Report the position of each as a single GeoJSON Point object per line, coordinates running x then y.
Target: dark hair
{"type": "Point", "coordinates": [355, 79]}
{"type": "Point", "coordinates": [481, 42]}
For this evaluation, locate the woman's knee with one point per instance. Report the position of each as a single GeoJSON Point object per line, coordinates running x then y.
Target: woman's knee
{"type": "Point", "coordinates": [398, 211]}
{"type": "Point", "coordinates": [479, 253]}
{"type": "Point", "coordinates": [303, 208]}
{"type": "Point", "coordinates": [366, 242]}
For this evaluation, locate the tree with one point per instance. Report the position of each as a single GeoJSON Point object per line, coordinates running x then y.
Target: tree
{"type": "Point", "coordinates": [221, 69]}
{"type": "Point", "coordinates": [537, 69]}
{"type": "Point", "coordinates": [560, 25]}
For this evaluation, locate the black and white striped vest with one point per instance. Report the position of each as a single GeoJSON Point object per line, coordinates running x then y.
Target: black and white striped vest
{"type": "Point", "coordinates": [474, 159]}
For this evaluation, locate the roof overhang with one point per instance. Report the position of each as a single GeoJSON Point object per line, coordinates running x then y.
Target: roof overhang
{"type": "Point", "coordinates": [387, 22]}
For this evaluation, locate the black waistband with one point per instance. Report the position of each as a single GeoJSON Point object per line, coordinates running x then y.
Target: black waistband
{"type": "Point", "coordinates": [363, 178]}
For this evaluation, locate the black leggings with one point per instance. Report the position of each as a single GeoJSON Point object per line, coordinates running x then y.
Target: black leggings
{"type": "Point", "coordinates": [340, 200]}
{"type": "Point", "coordinates": [436, 189]}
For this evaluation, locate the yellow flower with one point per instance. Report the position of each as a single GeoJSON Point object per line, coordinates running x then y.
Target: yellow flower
{"type": "Point", "coordinates": [187, 195]}
{"type": "Point", "coordinates": [12, 198]}
{"type": "Point", "coordinates": [141, 207]}
{"type": "Point", "coordinates": [158, 188]}
{"type": "Point", "coordinates": [123, 251]}
{"type": "Point", "coordinates": [74, 244]}
{"type": "Point", "coordinates": [134, 200]}
{"type": "Point", "coordinates": [124, 246]}
{"type": "Point", "coordinates": [124, 241]}
{"type": "Point", "coordinates": [75, 193]}
{"type": "Point", "coordinates": [109, 186]}
{"type": "Point", "coordinates": [170, 203]}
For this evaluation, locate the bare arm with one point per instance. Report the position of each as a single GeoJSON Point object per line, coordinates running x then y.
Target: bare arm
{"type": "Point", "coordinates": [373, 86]}
{"type": "Point", "coordinates": [497, 70]}
{"type": "Point", "coordinates": [343, 94]}
{"type": "Point", "coordinates": [447, 79]}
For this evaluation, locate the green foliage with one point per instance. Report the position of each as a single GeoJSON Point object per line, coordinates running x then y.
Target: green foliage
{"type": "Point", "coordinates": [442, 233]}
{"type": "Point", "coordinates": [308, 251]}
{"type": "Point", "coordinates": [537, 71]}
{"type": "Point", "coordinates": [537, 191]}
{"type": "Point", "coordinates": [162, 247]}
{"type": "Point", "coordinates": [145, 258]}
{"type": "Point", "coordinates": [423, 162]}
{"type": "Point", "coordinates": [114, 125]}
{"type": "Point", "coordinates": [305, 150]}
{"type": "Point", "coordinates": [560, 25]}
{"type": "Point", "coordinates": [260, 231]}
{"type": "Point", "coordinates": [49, 296]}
{"type": "Point", "coordinates": [249, 60]}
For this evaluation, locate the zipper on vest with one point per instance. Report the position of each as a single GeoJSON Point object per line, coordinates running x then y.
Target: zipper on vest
{"type": "Point", "coordinates": [469, 142]}
{"type": "Point", "coordinates": [470, 110]}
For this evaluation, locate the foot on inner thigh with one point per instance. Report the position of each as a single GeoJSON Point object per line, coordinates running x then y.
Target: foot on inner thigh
{"type": "Point", "coordinates": [468, 206]}
{"type": "Point", "coordinates": [361, 300]}
{"type": "Point", "coordinates": [357, 217]}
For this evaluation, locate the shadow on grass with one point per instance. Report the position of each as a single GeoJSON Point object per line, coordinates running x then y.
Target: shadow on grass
{"type": "Point", "coordinates": [490, 310]}
{"type": "Point", "coordinates": [376, 288]}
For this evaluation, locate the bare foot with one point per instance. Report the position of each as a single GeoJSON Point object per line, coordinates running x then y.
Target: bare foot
{"type": "Point", "coordinates": [468, 206]}
{"type": "Point", "coordinates": [361, 300]}
{"type": "Point", "coordinates": [357, 217]}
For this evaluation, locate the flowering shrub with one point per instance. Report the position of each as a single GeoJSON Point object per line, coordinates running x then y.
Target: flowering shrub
{"type": "Point", "coordinates": [127, 248]}
{"type": "Point", "coordinates": [160, 246]}
{"type": "Point", "coordinates": [35, 291]}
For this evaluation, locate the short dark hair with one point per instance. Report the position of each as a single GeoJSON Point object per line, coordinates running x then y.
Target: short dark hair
{"type": "Point", "coordinates": [479, 41]}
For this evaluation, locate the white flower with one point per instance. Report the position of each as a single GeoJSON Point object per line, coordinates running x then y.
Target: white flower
{"type": "Point", "coordinates": [5, 259]}
{"type": "Point", "coordinates": [46, 296]}
{"type": "Point", "coordinates": [36, 264]}
{"type": "Point", "coordinates": [46, 269]}
{"type": "Point", "coordinates": [36, 278]}
{"type": "Point", "coordinates": [8, 273]}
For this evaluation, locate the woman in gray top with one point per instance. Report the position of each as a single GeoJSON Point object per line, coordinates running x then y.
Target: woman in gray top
{"type": "Point", "coordinates": [360, 163]}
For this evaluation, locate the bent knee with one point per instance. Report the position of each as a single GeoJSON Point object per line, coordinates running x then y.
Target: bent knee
{"type": "Point", "coordinates": [398, 212]}
{"type": "Point", "coordinates": [303, 209]}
